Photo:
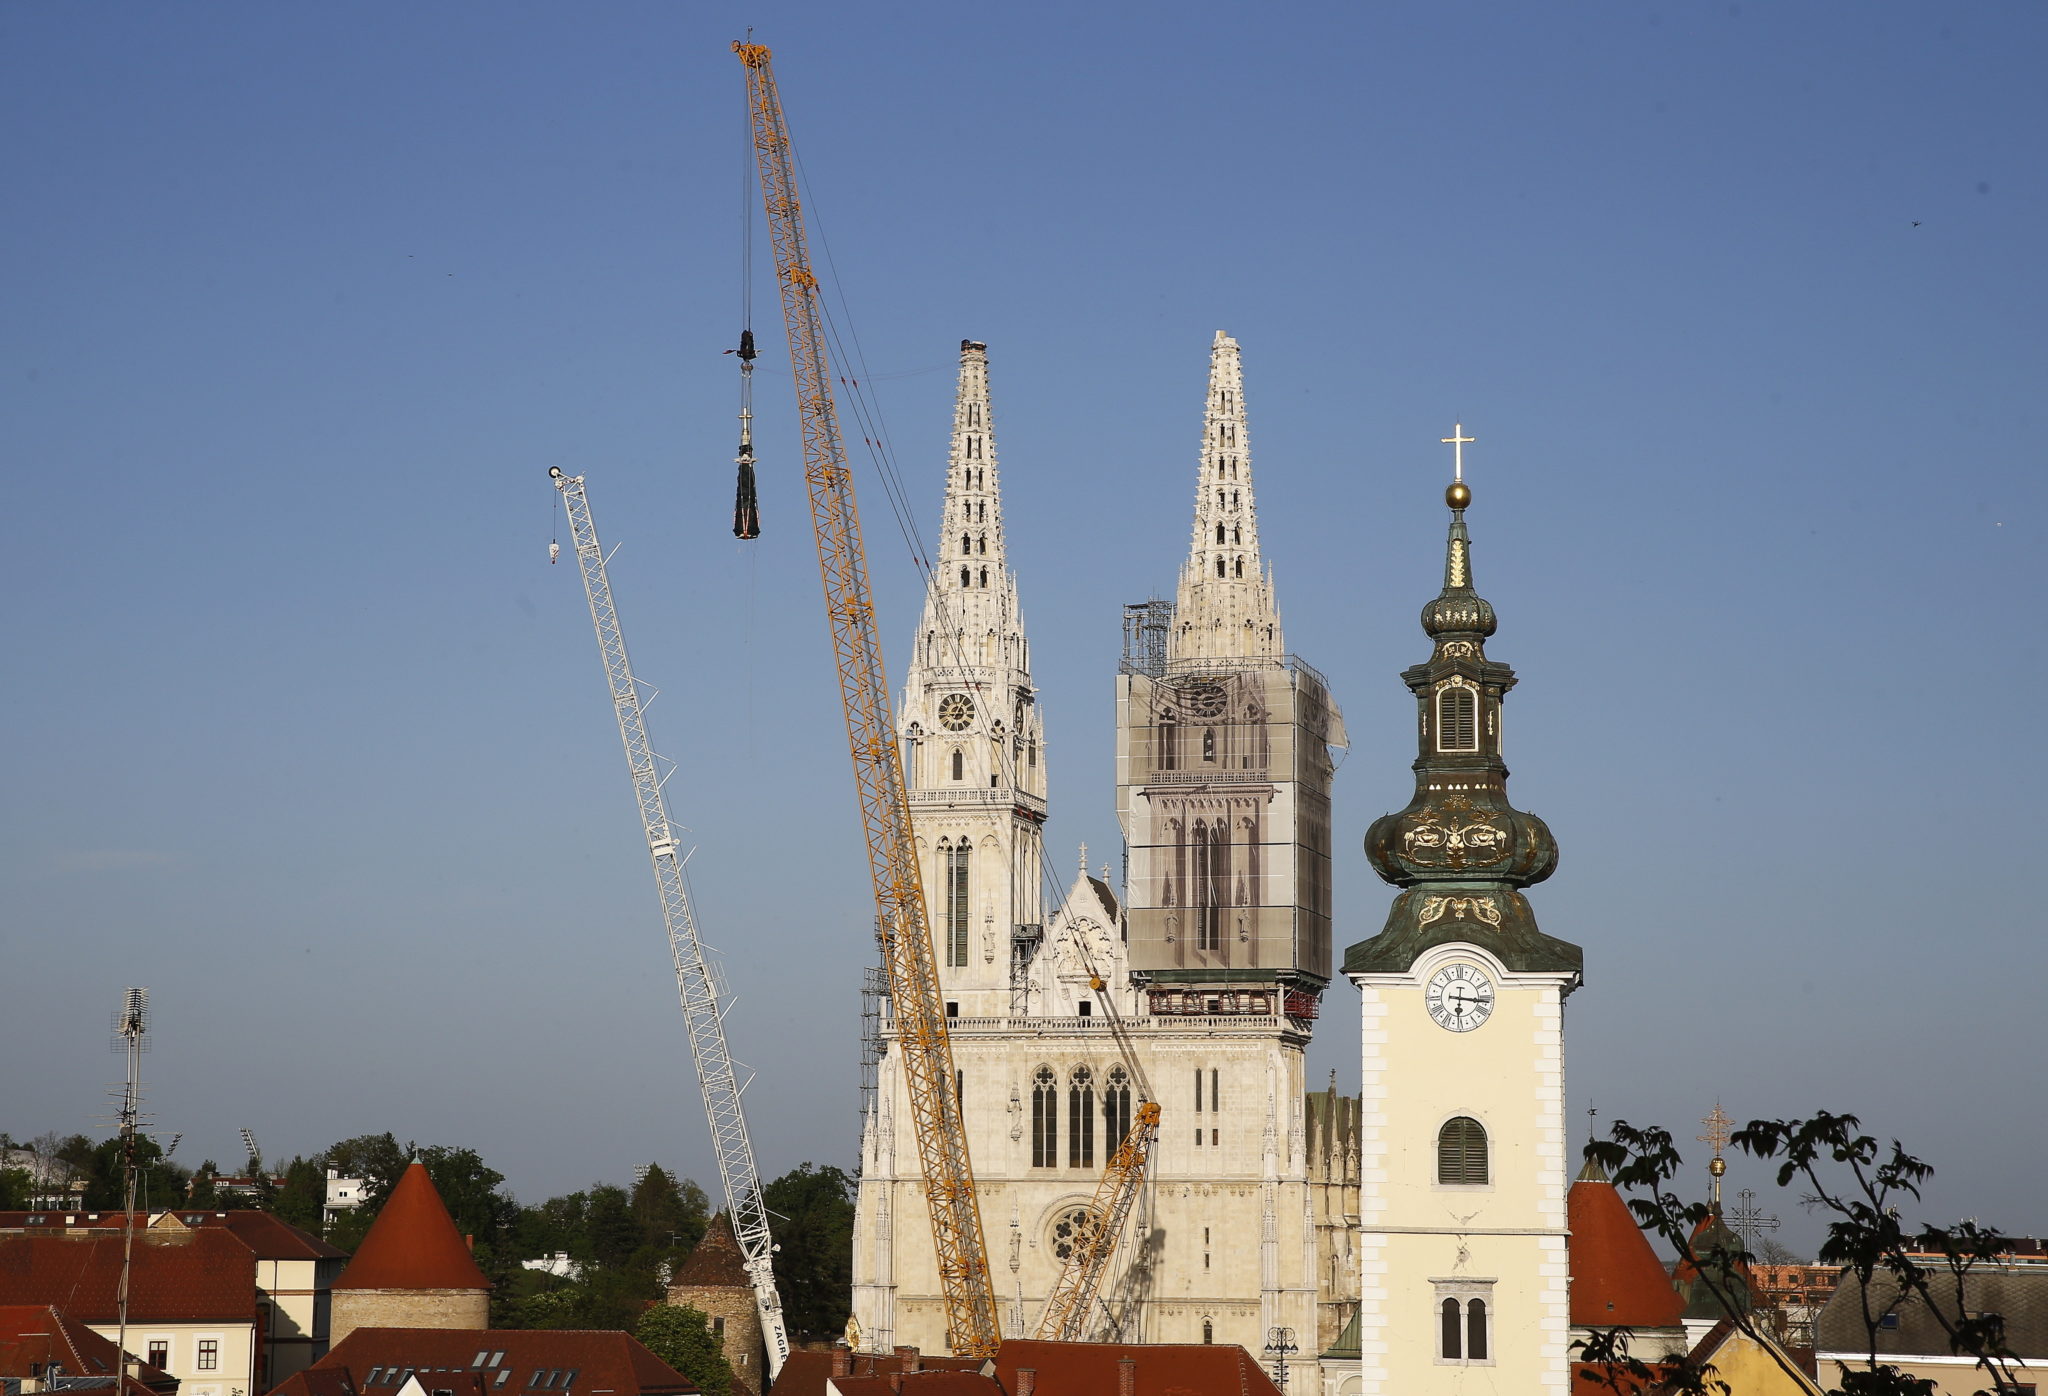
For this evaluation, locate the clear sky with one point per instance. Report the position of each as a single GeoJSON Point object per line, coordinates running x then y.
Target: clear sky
{"type": "Point", "coordinates": [1743, 303]}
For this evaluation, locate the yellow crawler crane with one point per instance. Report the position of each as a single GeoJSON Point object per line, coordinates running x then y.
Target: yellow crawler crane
{"type": "Point", "coordinates": [972, 1329]}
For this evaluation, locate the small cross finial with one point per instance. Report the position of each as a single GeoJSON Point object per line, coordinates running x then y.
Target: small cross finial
{"type": "Point", "coordinates": [1458, 441]}
{"type": "Point", "coordinates": [1592, 1122]}
{"type": "Point", "coordinates": [1084, 860]}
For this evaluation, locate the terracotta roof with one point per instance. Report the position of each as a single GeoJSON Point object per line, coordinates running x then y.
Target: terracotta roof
{"type": "Point", "coordinates": [715, 1262]}
{"type": "Point", "coordinates": [271, 1238]}
{"type": "Point", "coordinates": [489, 1362]}
{"type": "Point", "coordinates": [2019, 1295]}
{"type": "Point", "coordinates": [919, 1384]}
{"type": "Point", "coordinates": [413, 1244]}
{"type": "Point", "coordinates": [805, 1371]}
{"type": "Point", "coordinates": [178, 1277]}
{"type": "Point", "coordinates": [1164, 1369]}
{"type": "Point", "coordinates": [32, 1336]}
{"type": "Point", "coordinates": [1617, 1280]}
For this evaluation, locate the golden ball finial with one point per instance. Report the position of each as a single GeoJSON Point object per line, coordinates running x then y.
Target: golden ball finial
{"type": "Point", "coordinates": [1717, 1166]}
{"type": "Point", "coordinates": [1458, 494]}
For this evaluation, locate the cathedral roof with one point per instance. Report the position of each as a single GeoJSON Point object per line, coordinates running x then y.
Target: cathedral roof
{"type": "Point", "coordinates": [413, 1244]}
{"type": "Point", "coordinates": [716, 1262]}
{"type": "Point", "coordinates": [1617, 1280]}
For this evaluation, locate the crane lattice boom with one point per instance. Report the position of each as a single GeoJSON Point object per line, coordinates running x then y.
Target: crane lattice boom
{"type": "Point", "coordinates": [1073, 1294]}
{"type": "Point", "coordinates": [695, 984]}
{"type": "Point", "coordinates": [971, 1321]}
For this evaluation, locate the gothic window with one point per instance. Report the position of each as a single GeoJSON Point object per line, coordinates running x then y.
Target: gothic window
{"type": "Point", "coordinates": [1045, 1119]}
{"type": "Point", "coordinates": [956, 902]}
{"type": "Point", "coordinates": [974, 448]}
{"type": "Point", "coordinates": [1034, 755]}
{"type": "Point", "coordinates": [1219, 533]}
{"type": "Point", "coordinates": [1081, 1118]}
{"type": "Point", "coordinates": [1116, 1108]}
{"type": "Point", "coordinates": [1457, 719]}
{"type": "Point", "coordinates": [1236, 535]}
{"type": "Point", "coordinates": [974, 414]}
{"type": "Point", "coordinates": [1169, 741]}
{"type": "Point", "coordinates": [1208, 744]}
{"type": "Point", "coordinates": [1461, 1153]}
{"type": "Point", "coordinates": [1233, 499]}
{"type": "Point", "coordinates": [984, 576]}
{"type": "Point", "coordinates": [1208, 1331]}
{"type": "Point", "coordinates": [966, 545]}
{"type": "Point", "coordinates": [981, 544]}
{"type": "Point", "coordinates": [1463, 1322]}
{"type": "Point", "coordinates": [1240, 567]}
{"type": "Point", "coordinates": [1070, 1229]}
{"type": "Point", "coordinates": [963, 576]}
{"type": "Point", "coordinates": [1219, 566]}
{"type": "Point", "coordinates": [959, 764]}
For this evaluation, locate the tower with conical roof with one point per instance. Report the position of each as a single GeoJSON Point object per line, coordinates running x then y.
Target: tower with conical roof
{"type": "Point", "coordinates": [1223, 755]}
{"type": "Point", "coordinates": [713, 1280]}
{"type": "Point", "coordinates": [1463, 1208]}
{"type": "Point", "coordinates": [413, 1269]}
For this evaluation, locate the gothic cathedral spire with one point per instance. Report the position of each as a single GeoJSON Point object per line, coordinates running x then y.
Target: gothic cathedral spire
{"type": "Point", "coordinates": [1224, 607]}
{"type": "Point", "coordinates": [973, 739]}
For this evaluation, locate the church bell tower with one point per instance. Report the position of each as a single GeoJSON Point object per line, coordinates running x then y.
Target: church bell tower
{"type": "Point", "coordinates": [1462, 1212]}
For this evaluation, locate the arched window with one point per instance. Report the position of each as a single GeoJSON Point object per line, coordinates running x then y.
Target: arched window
{"type": "Point", "coordinates": [966, 545]}
{"type": "Point", "coordinates": [1463, 1324]}
{"type": "Point", "coordinates": [1461, 1153]}
{"type": "Point", "coordinates": [956, 901]}
{"type": "Point", "coordinates": [1219, 566]}
{"type": "Point", "coordinates": [959, 764]}
{"type": "Point", "coordinates": [1081, 1118]}
{"type": "Point", "coordinates": [1116, 1108]}
{"type": "Point", "coordinates": [974, 448]}
{"type": "Point", "coordinates": [1457, 719]}
{"type": "Point", "coordinates": [1475, 1330]}
{"type": "Point", "coordinates": [1219, 533]}
{"type": "Point", "coordinates": [1452, 1339]}
{"type": "Point", "coordinates": [984, 576]}
{"type": "Point", "coordinates": [1236, 535]}
{"type": "Point", "coordinates": [1208, 1331]}
{"type": "Point", "coordinates": [1208, 744]}
{"type": "Point", "coordinates": [964, 576]}
{"type": "Point", "coordinates": [1045, 1119]}
{"type": "Point", "coordinates": [1169, 742]}
{"type": "Point", "coordinates": [981, 544]}
{"type": "Point", "coordinates": [1240, 567]}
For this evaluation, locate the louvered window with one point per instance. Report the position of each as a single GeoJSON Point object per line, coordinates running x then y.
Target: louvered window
{"type": "Point", "coordinates": [1461, 1152]}
{"type": "Point", "coordinates": [1457, 719]}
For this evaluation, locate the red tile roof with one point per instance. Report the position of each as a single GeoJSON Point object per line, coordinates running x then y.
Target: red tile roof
{"type": "Point", "coordinates": [715, 1261]}
{"type": "Point", "coordinates": [1164, 1369]}
{"type": "Point", "coordinates": [917, 1384]}
{"type": "Point", "coordinates": [471, 1361]}
{"type": "Point", "coordinates": [268, 1236]}
{"type": "Point", "coordinates": [413, 1244]}
{"type": "Point", "coordinates": [1617, 1280]}
{"type": "Point", "coordinates": [178, 1277]}
{"type": "Point", "coordinates": [32, 1336]}
{"type": "Point", "coordinates": [805, 1371]}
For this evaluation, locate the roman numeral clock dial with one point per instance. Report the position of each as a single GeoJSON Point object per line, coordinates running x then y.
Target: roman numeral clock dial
{"type": "Point", "coordinates": [1459, 997]}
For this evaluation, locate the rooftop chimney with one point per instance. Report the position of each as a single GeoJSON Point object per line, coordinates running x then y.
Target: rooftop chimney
{"type": "Point", "coordinates": [906, 1358]}
{"type": "Point", "coordinates": [1027, 1380]}
{"type": "Point", "coordinates": [1127, 1376]}
{"type": "Point", "coordinates": [842, 1360]}
{"type": "Point", "coordinates": [896, 1381]}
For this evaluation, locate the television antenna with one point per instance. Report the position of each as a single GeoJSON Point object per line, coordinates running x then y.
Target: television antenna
{"type": "Point", "coordinates": [131, 1039]}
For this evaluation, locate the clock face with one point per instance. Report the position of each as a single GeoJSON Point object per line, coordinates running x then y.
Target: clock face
{"type": "Point", "coordinates": [1459, 997]}
{"type": "Point", "coordinates": [956, 710]}
{"type": "Point", "coordinates": [1205, 700]}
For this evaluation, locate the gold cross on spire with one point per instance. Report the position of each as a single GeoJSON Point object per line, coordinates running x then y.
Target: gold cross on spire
{"type": "Point", "coordinates": [1458, 441]}
{"type": "Point", "coordinates": [1717, 1129]}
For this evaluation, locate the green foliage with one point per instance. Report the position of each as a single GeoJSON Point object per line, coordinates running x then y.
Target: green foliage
{"type": "Point", "coordinates": [17, 1185]}
{"type": "Point", "coordinates": [672, 1216]}
{"type": "Point", "coordinates": [681, 1336]}
{"type": "Point", "coordinates": [304, 1195]}
{"type": "Point", "coordinates": [625, 1245]}
{"type": "Point", "coordinates": [813, 1224]}
{"type": "Point", "coordinates": [1861, 1186]}
{"type": "Point", "coordinates": [202, 1193]}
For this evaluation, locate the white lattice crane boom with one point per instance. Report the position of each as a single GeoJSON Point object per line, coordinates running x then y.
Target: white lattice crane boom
{"type": "Point", "coordinates": [695, 984]}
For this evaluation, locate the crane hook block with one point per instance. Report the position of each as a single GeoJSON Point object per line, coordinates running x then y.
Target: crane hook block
{"type": "Point", "coordinates": [746, 511]}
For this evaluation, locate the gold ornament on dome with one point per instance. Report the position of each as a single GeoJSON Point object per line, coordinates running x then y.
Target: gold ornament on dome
{"type": "Point", "coordinates": [1431, 841]}
{"type": "Point", "coordinates": [1458, 908]}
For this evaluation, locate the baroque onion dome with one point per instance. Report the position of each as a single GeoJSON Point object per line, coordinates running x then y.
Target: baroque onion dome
{"type": "Point", "coordinates": [1460, 850]}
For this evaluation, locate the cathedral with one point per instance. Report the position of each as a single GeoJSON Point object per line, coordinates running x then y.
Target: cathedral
{"type": "Point", "coordinates": [1353, 1244]}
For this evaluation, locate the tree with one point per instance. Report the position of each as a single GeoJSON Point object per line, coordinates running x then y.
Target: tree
{"type": "Point", "coordinates": [303, 1198]}
{"type": "Point", "coordinates": [813, 1206]}
{"type": "Point", "coordinates": [377, 1159]}
{"type": "Point", "coordinates": [611, 1233]}
{"type": "Point", "coordinates": [1860, 1186]}
{"type": "Point", "coordinates": [469, 1188]}
{"type": "Point", "coordinates": [17, 1186]}
{"type": "Point", "coordinates": [671, 1217]}
{"type": "Point", "coordinates": [681, 1336]}
{"type": "Point", "coordinates": [203, 1193]}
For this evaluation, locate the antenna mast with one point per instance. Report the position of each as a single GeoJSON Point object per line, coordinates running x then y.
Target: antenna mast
{"type": "Point", "coordinates": [131, 1028]}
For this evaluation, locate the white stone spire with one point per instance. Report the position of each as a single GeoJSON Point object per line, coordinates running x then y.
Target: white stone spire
{"type": "Point", "coordinates": [973, 738]}
{"type": "Point", "coordinates": [1224, 608]}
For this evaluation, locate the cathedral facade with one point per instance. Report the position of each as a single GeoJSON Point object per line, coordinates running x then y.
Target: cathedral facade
{"type": "Point", "coordinates": [1196, 985]}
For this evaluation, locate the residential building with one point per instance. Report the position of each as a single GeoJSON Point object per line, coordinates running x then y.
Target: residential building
{"type": "Point", "coordinates": [43, 1349]}
{"type": "Point", "coordinates": [1914, 1339]}
{"type": "Point", "coordinates": [343, 1195]}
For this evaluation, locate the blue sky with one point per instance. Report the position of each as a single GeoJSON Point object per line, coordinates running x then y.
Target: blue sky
{"type": "Point", "coordinates": [1742, 302]}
